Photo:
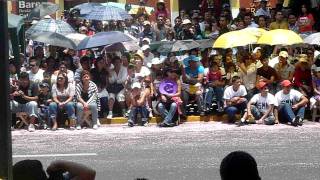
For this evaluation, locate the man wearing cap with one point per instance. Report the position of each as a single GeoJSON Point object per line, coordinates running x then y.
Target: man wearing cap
{"type": "Point", "coordinates": [148, 31]}
{"type": "Point", "coordinates": [148, 56]}
{"type": "Point", "coordinates": [192, 76]}
{"type": "Point", "coordinates": [260, 107]}
{"type": "Point", "coordinates": [187, 32]}
{"type": "Point", "coordinates": [290, 104]}
{"type": "Point", "coordinates": [283, 68]}
{"type": "Point", "coordinates": [263, 11]}
{"type": "Point", "coordinates": [234, 97]}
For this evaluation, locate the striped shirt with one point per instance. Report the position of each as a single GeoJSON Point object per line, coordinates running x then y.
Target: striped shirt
{"type": "Point", "coordinates": [93, 96]}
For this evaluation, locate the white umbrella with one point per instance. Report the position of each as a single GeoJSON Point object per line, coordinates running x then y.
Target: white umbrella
{"type": "Point", "coordinates": [76, 37]}
{"type": "Point", "coordinates": [313, 39]}
{"type": "Point", "coordinates": [122, 46]}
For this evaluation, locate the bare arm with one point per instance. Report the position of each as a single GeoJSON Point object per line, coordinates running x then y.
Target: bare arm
{"type": "Point", "coordinates": [268, 112]}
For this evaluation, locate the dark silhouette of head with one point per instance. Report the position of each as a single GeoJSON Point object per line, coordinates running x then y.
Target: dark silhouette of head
{"type": "Point", "coordinates": [239, 165]}
{"type": "Point", "coordinates": [28, 170]}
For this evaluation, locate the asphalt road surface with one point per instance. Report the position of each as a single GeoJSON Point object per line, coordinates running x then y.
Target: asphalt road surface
{"type": "Point", "coordinates": [189, 151]}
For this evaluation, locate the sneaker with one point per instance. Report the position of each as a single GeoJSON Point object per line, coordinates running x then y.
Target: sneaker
{"type": "Point", "coordinates": [78, 127]}
{"type": "Point", "coordinates": [31, 128]}
{"type": "Point", "coordinates": [145, 123]}
{"type": "Point", "coordinates": [300, 121]}
{"type": "Point", "coordinates": [150, 114]}
{"type": "Point", "coordinates": [242, 122]}
{"type": "Point", "coordinates": [95, 127]}
{"type": "Point", "coordinates": [295, 121]}
{"type": "Point", "coordinates": [109, 116]}
{"type": "Point", "coordinates": [130, 124]}
{"type": "Point", "coordinates": [202, 113]}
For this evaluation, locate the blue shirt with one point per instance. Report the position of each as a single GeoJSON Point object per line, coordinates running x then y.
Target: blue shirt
{"type": "Point", "coordinates": [194, 73]}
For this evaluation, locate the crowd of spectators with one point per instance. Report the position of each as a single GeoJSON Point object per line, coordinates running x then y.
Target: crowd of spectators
{"type": "Point", "coordinates": [267, 85]}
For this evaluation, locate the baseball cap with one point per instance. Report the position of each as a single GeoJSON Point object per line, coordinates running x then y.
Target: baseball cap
{"type": "Point", "coordinates": [139, 54]}
{"type": "Point", "coordinates": [186, 21]}
{"type": "Point", "coordinates": [284, 54]}
{"type": "Point", "coordinates": [44, 84]}
{"type": "Point", "coordinates": [145, 47]}
{"type": "Point", "coordinates": [136, 85]}
{"type": "Point", "coordinates": [262, 84]}
{"type": "Point", "coordinates": [146, 23]}
{"type": "Point", "coordinates": [156, 61]}
{"type": "Point", "coordinates": [303, 58]}
{"type": "Point", "coordinates": [256, 50]}
{"type": "Point", "coordinates": [147, 39]}
{"type": "Point", "coordinates": [286, 83]}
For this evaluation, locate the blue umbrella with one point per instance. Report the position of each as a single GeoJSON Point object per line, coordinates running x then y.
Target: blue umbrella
{"type": "Point", "coordinates": [86, 8]}
{"type": "Point", "coordinates": [43, 9]}
{"type": "Point", "coordinates": [50, 25]}
{"type": "Point", "coordinates": [106, 13]}
{"type": "Point", "coordinates": [103, 39]}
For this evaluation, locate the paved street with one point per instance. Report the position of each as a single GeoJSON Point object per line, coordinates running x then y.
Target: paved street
{"type": "Point", "coordinates": [189, 151]}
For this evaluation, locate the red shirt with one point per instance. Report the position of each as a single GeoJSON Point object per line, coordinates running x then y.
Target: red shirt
{"type": "Point", "coordinates": [214, 76]}
{"type": "Point", "coordinates": [307, 21]}
{"type": "Point", "coordinates": [302, 77]}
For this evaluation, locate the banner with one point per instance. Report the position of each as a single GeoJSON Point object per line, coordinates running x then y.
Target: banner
{"type": "Point", "coordinates": [23, 7]}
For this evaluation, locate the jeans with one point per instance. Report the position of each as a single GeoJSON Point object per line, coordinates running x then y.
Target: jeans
{"type": "Point", "coordinates": [185, 99]}
{"type": "Point", "coordinates": [269, 120]}
{"type": "Point", "coordinates": [233, 110]}
{"type": "Point", "coordinates": [104, 106]}
{"type": "Point", "coordinates": [218, 92]}
{"type": "Point", "coordinates": [287, 114]}
{"type": "Point", "coordinates": [134, 111]}
{"type": "Point", "coordinates": [94, 113]}
{"type": "Point", "coordinates": [165, 114]}
{"type": "Point", "coordinates": [69, 108]}
{"type": "Point", "coordinates": [31, 108]}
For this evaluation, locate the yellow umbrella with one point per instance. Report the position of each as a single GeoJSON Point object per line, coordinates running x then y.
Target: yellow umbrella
{"type": "Point", "coordinates": [234, 39]}
{"type": "Point", "coordinates": [280, 37]}
{"type": "Point", "coordinates": [254, 31]}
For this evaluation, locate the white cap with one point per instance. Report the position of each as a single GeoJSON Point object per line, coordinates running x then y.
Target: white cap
{"type": "Point", "coordinates": [156, 61]}
{"type": "Point", "coordinates": [145, 47]}
{"type": "Point", "coordinates": [256, 50]}
{"type": "Point", "coordinates": [284, 54]}
{"type": "Point", "coordinates": [136, 85]}
{"type": "Point", "coordinates": [146, 23]}
{"type": "Point", "coordinates": [147, 39]}
{"type": "Point", "coordinates": [186, 21]}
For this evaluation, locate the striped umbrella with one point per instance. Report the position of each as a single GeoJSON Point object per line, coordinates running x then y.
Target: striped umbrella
{"type": "Point", "coordinates": [106, 13]}
{"type": "Point", "coordinates": [50, 25]}
{"type": "Point", "coordinates": [43, 9]}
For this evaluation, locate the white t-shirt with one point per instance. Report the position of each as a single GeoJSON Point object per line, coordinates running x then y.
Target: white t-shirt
{"type": "Point", "coordinates": [273, 61]}
{"type": "Point", "coordinates": [119, 78]}
{"type": "Point", "coordinates": [148, 60]}
{"type": "Point", "coordinates": [263, 103]}
{"type": "Point", "coordinates": [36, 78]}
{"type": "Point", "coordinates": [292, 98]}
{"type": "Point", "coordinates": [229, 92]}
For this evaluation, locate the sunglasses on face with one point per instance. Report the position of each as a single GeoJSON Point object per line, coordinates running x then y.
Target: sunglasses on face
{"type": "Point", "coordinates": [32, 65]}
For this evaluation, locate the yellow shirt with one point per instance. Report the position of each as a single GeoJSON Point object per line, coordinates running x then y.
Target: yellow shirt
{"type": "Point", "coordinates": [281, 25]}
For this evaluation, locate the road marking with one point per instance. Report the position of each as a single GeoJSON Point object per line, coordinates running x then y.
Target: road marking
{"type": "Point", "coordinates": [54, 155]}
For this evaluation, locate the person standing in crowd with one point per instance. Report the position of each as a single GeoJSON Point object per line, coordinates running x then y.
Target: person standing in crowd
{"type": "Point", "coordinates": [35, 73]}
{"type": "Point", "coordinates": [62, 96]}
{"type": "Point", "coordinates": [292, 22]}
{"type": "Point", "coordinates": [223, 25]}
{"type": "Point", "coordinates": [262, 23]}
{"type": "Point", "coordinates": [23, 99]}
{"type": "Point", "coordinates": [138, 105]}
{"type": "Point", "coordinates": [305, 21]}
{"type": "Point", "coordinates": [248, 22]}
{"type": "Point", "coordinates": [290, 105]}
{"type": "Point", "coordinates": [148, 56]}
{"type": "Point", "coordinates": [88, 99]}
{"type": "Point", "coordinates": [148, 32]}
{"type": "Point", "coordinates": [260, 107]}
{"type": "Point", "coordinates": [169, 104]}
{"type": "Point", "coordinates": [192, 76]}
{"type": "Point", "coordinates": [280, 22]}
{"type": "Point", "coordinates": [235, 100]}
{"type": "Point", "coordinates": [161, 10]}
{"type": "Point", "coordinates": [263, 10]}
{"type": "Point", "coordinates": [188, 31]}
{"type": "Point", "coordinates": [115, 87]}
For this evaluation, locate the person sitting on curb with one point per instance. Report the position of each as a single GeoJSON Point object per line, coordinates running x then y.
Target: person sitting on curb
{"type": "Point", "coordinates": [260, 107]}
{"type": "Point", "coordinates": [291, 104]}
{"type": "Point", "coordinates": [235, 100]}
{"type": "Point", "coordinates": [138, 105]}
